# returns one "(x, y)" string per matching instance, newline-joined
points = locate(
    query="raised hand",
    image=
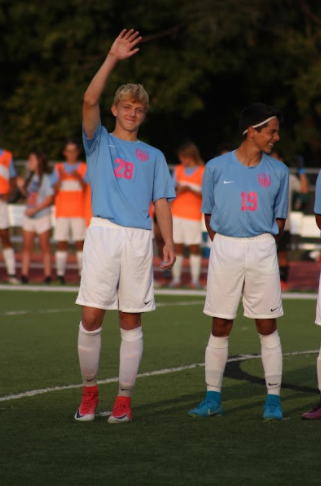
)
(124, 45)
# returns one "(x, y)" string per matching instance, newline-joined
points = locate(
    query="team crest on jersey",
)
(142, 155)
(264, 180)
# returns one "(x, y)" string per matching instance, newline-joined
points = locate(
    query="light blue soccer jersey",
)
(245, 201)
(37, 193)
(125, 177)
(317, 201)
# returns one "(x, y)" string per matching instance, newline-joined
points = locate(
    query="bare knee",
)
(5, 238)
(129, 321)
(62, 246)
(221, 327)
(265, 327)
(92, 318)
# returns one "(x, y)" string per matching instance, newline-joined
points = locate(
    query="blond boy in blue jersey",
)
(125, 176)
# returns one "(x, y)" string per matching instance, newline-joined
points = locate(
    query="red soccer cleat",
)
(121, 411)
(87, 409)
(314, 414)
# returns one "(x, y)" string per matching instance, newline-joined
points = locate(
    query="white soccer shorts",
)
(244, 268)
(117, 269)
(37, 225)
(4, 216)
(70, 228)
(187, 231)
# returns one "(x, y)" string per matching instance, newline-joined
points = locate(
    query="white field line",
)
(39, 311)
(177, 292)
(76, 308)
(165, 371)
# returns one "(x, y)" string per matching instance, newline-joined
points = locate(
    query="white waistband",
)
(105, 223)
(238, 238)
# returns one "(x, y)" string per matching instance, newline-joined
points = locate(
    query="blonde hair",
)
(191, 151)
(132, 92)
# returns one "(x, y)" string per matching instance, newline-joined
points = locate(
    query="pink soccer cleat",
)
(314, 414)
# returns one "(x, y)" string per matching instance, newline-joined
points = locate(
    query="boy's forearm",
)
(99, 81)
(164, 219)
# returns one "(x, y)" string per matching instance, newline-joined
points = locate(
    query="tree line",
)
(201, 63)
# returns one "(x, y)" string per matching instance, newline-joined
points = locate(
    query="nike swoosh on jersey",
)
(228, 182)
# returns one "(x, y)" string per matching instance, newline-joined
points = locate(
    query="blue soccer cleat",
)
(272, 408)
(207, 408)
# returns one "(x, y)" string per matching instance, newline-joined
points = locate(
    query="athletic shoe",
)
(47, 280)
(121, 411)
(61, 279)
(314, 414)
(86, 411)
(196, 286)
(174, 284)
(24, 279)
(12, 279)
(157, 284)
(207, 409)
(272, 408)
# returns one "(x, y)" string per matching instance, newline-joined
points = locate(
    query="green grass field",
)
(42, 444)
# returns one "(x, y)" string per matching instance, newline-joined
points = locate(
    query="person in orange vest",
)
(68, 181)
(7, 185)
(186, 210)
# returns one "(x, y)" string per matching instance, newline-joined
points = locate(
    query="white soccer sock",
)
(131, 351)
(61, 260)
(89, 344)
(177, 268)
(79, 261)
(271, 352)
(319, 370)
(216, 355)
(9, 260)
(195, 264)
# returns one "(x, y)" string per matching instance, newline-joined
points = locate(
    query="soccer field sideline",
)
(164, 371)
(174, 292)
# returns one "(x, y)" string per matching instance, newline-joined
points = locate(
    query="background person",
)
(299, 185)
(68, 181)
(37, 218)
(315, 413)
(125, 176)
(245, 202)
(7, 186)
(186, 211)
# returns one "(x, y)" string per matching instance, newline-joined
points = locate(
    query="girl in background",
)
(186, 211)
(37, 218)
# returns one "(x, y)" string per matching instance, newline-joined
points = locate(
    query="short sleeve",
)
(282, 197)
(163, 183)
(48, 190)
(12, 170)
(54, 177)
(91, 143)
(207, 190)
(317, 201)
